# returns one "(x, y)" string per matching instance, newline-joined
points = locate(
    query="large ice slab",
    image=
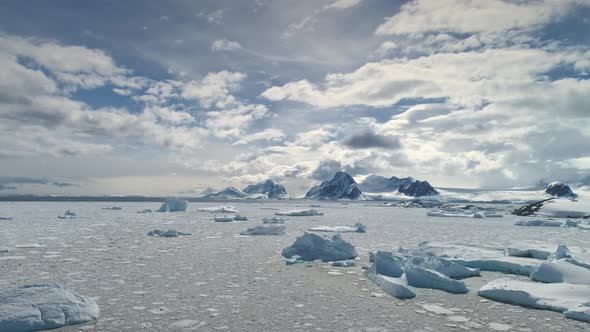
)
(425, 278)
(483, 258)
(357, 228)
(219, 209)
(265, 230)
(300, 213)
(44, 307)
(561, 270)
(464, 212)
(311, 247)
(570, 299)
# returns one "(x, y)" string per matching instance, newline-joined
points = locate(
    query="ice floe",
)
(44, 307)
(570, 299)
(167, 233)
(311, 247)
(565, 223)
(229, 218)
(113, 208)
(173, 205)
(357, 228)
(274, 220)
(219, 209)
(265, 230)
(300, 213)
(468, 211)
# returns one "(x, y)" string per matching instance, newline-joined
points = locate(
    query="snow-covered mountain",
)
(341, 186)
(407, 186)
(272, 189)
(228, 193)
(559, 189)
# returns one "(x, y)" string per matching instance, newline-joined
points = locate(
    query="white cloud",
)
(214, 89)
(473, 16)
(225, 45)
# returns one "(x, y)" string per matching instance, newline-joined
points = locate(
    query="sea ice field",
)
(216, 279)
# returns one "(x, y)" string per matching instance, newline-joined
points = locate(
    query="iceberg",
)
(311, 247)
(570, 299)
(173, 205)
(357, 228)
(230, 218)
(300, 213)
(44, 307)
(265, 230)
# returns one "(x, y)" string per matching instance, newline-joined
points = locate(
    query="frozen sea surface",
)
(216, 279)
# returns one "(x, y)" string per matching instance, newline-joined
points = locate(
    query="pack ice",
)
(44, 307)
(173, 205)
(167, 233)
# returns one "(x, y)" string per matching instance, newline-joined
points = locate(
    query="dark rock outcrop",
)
(228, 193)
(272, 189)
(407, 186)
(341, 186)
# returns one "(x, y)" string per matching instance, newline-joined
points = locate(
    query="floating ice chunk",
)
(424, 278)
(300, 213)
(239, 217)
(561, 271)
(441, 265)
(145, 211)
(357, 228)
(44, 307)
(311, 247)
(396, 287)
(343, 264)
(167, 233)
(5, 218)
(294, 260)
(113, 208)
(173, 205)
(68, 215)
(385, 263)
(436, 309)
(219, 209)
(265, 230)
(570, 299)
(539, 223)
(224, 218)
(274, 220)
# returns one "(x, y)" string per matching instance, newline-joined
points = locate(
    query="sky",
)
(170, 98)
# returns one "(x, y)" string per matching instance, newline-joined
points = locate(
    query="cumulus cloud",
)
(225, 45)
